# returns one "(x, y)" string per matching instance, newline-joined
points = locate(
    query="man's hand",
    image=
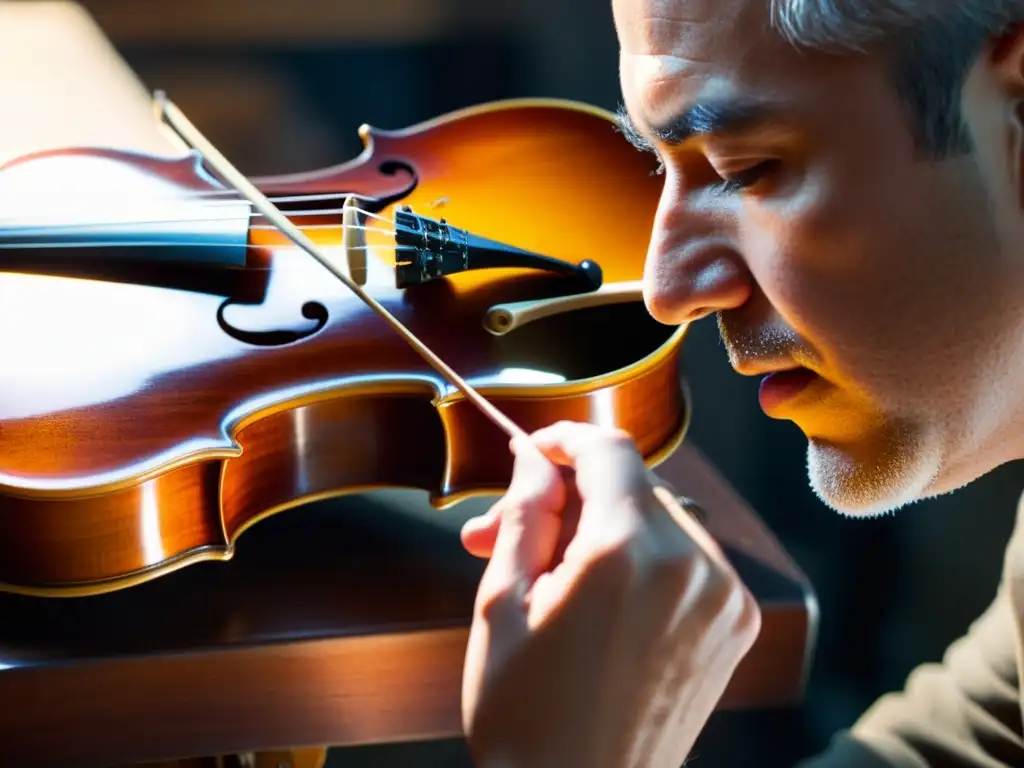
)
(607, 624)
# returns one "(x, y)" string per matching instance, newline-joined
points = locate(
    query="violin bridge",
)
(353, 241)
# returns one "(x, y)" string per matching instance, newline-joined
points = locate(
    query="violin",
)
(184, 355)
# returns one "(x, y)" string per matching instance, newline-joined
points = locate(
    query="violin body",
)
(151, 409)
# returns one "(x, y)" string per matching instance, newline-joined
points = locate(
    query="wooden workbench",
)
(344, 622)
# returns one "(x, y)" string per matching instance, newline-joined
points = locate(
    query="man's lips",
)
(782, 386)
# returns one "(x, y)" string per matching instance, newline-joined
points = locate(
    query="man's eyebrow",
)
(702, 119)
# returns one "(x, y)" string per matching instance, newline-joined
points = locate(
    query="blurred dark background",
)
(283, 85)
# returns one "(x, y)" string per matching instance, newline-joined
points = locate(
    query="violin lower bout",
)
(337, 445)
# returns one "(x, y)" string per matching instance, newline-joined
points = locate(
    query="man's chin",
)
(870, 478)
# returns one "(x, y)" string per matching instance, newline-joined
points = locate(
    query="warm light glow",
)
(300, 423)
(82, 198)
(602, 408)
(87, 342)
(74, 343)
(152, 540)
(525, 376)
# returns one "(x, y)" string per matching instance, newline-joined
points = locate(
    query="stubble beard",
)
(892, 464)
(878, 476)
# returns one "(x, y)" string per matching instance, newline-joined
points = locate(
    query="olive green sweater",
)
(966, 711)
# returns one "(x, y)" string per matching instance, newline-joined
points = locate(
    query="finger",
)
(566, 442)
(528, 534)
(608, 466)
(563, 443)
(479, 533)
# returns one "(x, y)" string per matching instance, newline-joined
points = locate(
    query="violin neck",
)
(120, 207)
(166, 230)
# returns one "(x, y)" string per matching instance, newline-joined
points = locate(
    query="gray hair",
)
(930, 46)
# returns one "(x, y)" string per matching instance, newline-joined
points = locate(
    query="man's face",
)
(797, 206)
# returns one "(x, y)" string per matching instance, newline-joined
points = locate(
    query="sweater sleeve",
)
(964, 712)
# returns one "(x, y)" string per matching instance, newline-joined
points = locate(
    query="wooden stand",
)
(341, 623)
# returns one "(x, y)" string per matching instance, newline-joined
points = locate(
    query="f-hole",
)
(311, 310)
(393, 168)
(314, 310)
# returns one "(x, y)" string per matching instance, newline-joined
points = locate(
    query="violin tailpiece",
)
(433, 248)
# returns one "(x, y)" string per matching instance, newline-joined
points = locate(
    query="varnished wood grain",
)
(339, 623)
(59, 541)
(141, 386)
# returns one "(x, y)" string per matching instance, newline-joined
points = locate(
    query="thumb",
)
(529, 523)
(479, 533)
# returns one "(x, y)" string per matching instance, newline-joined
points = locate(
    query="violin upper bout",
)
(378, 175)
(191, 172)
(96, 173)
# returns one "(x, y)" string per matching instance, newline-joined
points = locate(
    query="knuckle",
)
(529, 506)
(684, 567)
(636, 554)
(614, 559)
(688, 573)
(493, 603)
(680, 575)
(616, 556)
(681, 572)
(724, 591)
(679, 568)
(749, 620)
(529, 489)
(736, 609)
(596, 432)
(559, 429)
(618, 438)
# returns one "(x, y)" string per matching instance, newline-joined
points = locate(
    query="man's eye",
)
(743, 180)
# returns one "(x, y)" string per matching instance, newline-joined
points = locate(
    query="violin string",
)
(231, 197)
(196, 244)
(19, 223)
(231, 175)
(178, 200)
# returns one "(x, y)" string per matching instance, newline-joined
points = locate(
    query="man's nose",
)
(690, 274)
